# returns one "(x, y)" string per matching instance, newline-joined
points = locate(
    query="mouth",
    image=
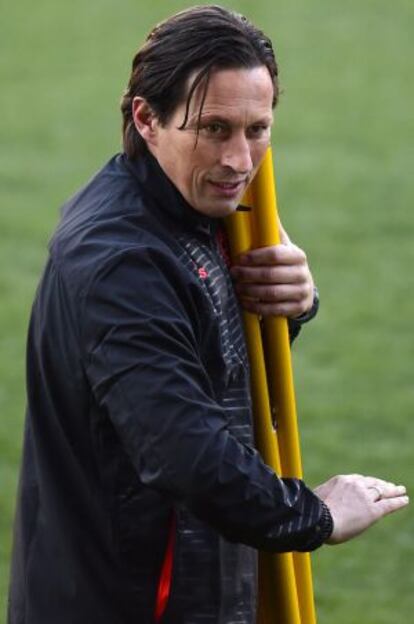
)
(228, 189)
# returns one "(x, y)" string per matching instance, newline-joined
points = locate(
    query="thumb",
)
(284, 238)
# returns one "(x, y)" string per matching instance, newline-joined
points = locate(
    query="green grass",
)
(343, 145)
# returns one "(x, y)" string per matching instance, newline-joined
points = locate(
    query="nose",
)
(236, 154)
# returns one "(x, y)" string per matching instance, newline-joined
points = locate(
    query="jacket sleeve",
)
(295, 324)
(144, 367)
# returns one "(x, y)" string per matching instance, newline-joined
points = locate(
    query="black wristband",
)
(322, 531)
(326, 523)
(312, 312)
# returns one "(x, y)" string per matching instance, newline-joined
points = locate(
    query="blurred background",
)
(343, 144)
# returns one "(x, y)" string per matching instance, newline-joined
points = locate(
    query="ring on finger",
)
(378, 490)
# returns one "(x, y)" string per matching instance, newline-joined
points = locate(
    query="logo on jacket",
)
(202, 273)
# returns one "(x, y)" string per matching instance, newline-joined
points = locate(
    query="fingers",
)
(389, 505)
(386, 497)
(266, 274)
(271, 293)
(380, 489)
(356, 502)
(288, 309)
(284, 254)
(274, 281)
(386, 491)
(370, 481)
(290, 300)
(393, 491)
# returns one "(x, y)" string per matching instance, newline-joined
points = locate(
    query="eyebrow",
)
(211, 117)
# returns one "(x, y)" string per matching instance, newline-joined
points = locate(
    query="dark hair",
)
(201, 39)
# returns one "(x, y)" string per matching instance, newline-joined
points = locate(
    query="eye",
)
(214, 129)
(258, 131)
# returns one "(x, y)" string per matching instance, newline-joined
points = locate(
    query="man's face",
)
(213, 169)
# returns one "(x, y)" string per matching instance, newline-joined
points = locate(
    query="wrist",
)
(313, 310)
(326, 523)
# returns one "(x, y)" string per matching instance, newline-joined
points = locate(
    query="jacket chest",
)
(222, 344)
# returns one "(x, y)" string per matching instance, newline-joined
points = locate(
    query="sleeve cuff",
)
(322, 530)
(312, 312)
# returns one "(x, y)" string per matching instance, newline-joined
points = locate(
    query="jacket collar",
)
(152, 178)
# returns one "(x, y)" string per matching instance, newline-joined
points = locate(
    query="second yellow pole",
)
(279, 371)
(278, 598)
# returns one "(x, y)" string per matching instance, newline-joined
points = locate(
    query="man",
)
(142, 498)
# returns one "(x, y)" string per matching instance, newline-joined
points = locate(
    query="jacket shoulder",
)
(110, 217)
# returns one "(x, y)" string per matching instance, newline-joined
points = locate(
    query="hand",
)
(357, 502)
(274, 280)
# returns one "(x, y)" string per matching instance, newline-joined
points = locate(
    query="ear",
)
(145, 120)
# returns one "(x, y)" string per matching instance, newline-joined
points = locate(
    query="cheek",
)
(258, 151)
(197, 169)
(189, 176)
(206, 155)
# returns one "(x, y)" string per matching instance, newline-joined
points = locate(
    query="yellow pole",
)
(279, 369)
(278, 599)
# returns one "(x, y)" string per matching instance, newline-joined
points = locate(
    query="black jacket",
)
(138, 428)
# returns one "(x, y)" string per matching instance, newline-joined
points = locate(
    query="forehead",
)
(235, 93)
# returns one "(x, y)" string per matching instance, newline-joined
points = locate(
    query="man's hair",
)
(197, 41)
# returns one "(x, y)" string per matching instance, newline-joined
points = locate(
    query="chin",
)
(217, 208)
(224, 210)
